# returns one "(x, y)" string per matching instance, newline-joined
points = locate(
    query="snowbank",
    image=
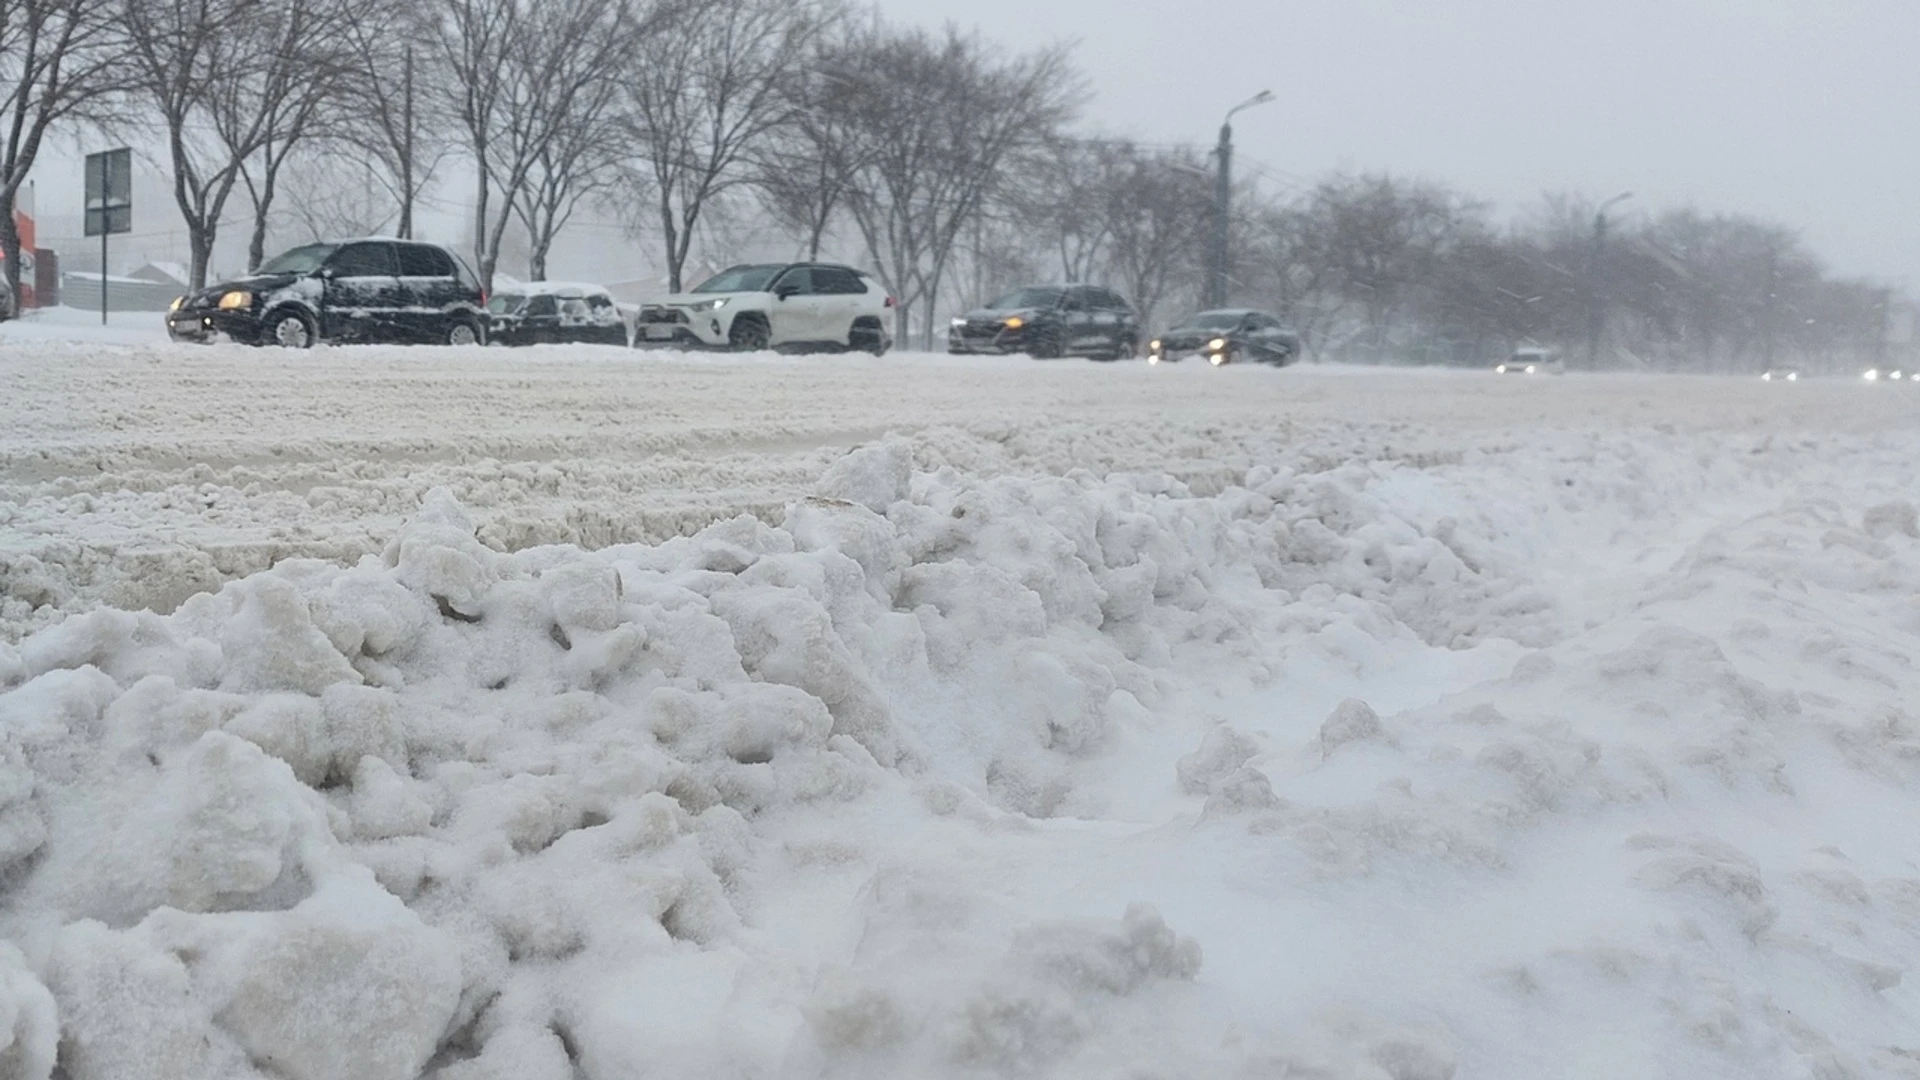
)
(1583, 752)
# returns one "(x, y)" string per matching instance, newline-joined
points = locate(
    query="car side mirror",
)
(786, 291)
(328, 273)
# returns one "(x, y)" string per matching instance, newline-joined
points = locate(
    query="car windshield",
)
(505, 303)
(301, 260)
(741, 279)
(1026, 298)
(1211, 320)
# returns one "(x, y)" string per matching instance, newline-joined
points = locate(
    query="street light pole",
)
(1217, 254)
(1596, 295)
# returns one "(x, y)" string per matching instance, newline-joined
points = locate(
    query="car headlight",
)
(1501, 370)
(239, 298)
(1872, 375)
(1529, 369)
(720, 303)
(958, 321)
(177, 301)
(1154, 345)
(1217, 344)
(1014, 322)
(1793, 376)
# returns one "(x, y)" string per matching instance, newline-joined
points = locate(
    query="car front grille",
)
(660, 315)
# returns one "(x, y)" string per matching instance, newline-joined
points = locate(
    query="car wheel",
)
(1046, 344)
(289, 329)
(749, 333)
(867, 337)
(463, 332)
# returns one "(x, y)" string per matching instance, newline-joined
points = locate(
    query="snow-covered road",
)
(578, 713)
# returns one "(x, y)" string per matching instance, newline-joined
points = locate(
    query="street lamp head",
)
(1260, 98)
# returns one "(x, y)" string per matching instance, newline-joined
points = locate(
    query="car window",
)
(1209, 320)
(1076, 300)
(363, 260)
(597, 302)
(468, 279)
(800, 279)
(837, 280)
(1112, 301)
(541, 305)
(1040, 297)
(422, 260)
(505, 303)
(740, 279)
(301, 260)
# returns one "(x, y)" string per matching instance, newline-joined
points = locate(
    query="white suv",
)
(788, 306)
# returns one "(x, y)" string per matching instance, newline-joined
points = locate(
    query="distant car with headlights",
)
(792, 307)
(1531, 360)
(1050, 321)
(1780, 375)
(1890, 375)
(369, 290)
(552, 313)
(1227, 336)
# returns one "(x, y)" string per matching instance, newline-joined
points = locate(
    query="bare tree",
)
(1156, 211)
(473, 44)
(530, 86)
(703, 95)
(228, 82)
(387, 114)
(302, 93)
(330, 195)
(56, 58)
(807, 167)
(573, 153)
(942, 113)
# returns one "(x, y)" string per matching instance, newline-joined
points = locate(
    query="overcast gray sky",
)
(1805, 111)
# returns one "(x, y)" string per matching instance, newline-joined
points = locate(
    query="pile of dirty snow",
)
(1594, 757)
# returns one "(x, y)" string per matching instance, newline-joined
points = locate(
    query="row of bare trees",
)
(810, 114)
(948, 160)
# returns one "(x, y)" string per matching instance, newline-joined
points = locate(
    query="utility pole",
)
(1596, 294)
(406, 149)
(1217, 250)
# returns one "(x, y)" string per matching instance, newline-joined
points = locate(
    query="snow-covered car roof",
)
(563, 289)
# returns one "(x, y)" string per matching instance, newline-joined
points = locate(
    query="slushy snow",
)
(984, 748)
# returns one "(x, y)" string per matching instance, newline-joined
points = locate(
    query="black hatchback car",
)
(1047, 321)
(371, 290)
(1228, 336)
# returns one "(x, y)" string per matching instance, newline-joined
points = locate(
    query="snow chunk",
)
(271, 643)
(29, 1027)
(1221, 754)
(1351, 721)
(1100, 956)
(875, 476)
(348, 985)
(1889, 519)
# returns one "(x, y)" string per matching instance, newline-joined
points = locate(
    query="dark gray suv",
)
(371, 290)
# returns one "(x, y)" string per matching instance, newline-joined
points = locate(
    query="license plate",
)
(659, 333)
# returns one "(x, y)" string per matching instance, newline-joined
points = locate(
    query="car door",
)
(540, 319)
(1077, 320)
(1116, 320)
(795, 313)
(427, 290)
(360, 293)
(842, 300)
